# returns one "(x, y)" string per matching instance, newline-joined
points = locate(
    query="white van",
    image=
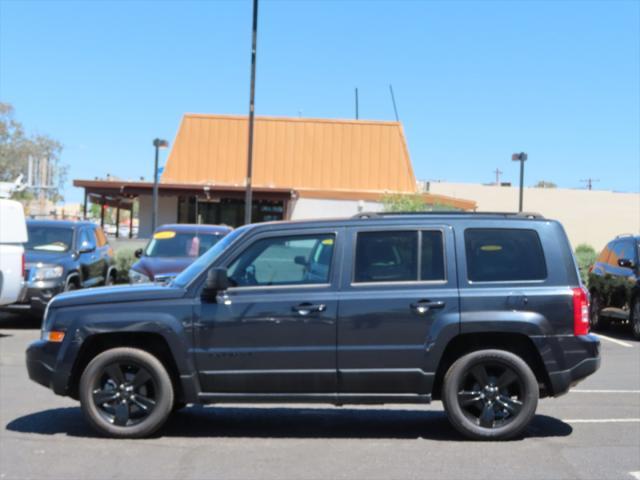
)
(13, 234)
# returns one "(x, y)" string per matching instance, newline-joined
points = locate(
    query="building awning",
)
(131, 189)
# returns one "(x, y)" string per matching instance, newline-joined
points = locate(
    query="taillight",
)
(580, 311)
(23, 266)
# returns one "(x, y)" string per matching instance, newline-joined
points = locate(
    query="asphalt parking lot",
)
(591, 433)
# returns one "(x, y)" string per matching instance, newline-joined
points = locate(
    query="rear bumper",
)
(569, 360)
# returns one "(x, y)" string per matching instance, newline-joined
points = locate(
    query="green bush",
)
(124, 257)
(412, 202)
(586, 257)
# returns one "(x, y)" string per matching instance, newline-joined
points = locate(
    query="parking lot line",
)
(635, 475)
(601, 420)
(606, 391)
(615, 340)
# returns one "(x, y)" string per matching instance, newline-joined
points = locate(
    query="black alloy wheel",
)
(596, 322)
(490, 395)
(634, 317)
(126, 393)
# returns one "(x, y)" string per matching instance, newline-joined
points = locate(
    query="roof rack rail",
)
(365, 215)
(623, 235)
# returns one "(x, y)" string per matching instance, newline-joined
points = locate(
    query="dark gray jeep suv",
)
(483, 311)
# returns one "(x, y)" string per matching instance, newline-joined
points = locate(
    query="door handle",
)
(423, 306)
(305, 309)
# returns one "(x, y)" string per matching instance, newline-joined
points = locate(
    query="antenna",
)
(498, 172)
(590, 181)
(393, 100)
(357, 113)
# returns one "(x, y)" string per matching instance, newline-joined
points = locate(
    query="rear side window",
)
(497, 255)
(399, 256)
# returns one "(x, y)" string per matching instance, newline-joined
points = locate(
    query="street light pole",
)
(520, 157)
(248, 200)
(158, 143)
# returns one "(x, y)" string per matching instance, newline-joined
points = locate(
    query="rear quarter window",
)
(502, 255)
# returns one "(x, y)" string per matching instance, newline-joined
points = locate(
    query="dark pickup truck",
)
(483, 311)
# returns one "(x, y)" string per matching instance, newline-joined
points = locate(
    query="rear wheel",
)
(596, 321)
(490, 395)
(126, 393)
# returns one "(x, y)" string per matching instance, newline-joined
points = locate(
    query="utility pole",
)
(520, 157)
(590, 181)
(158, 143)
(248, 200)
(357, 113)
(498, 172)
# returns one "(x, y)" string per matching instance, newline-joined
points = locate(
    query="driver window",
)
(292, 260)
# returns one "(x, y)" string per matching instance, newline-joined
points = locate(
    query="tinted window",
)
(495, 255)
(627, 250)
(432, 256)
(167, 243)
(604, 255)
(89, 234)
(291, 260)
(386, 257)
(50, 239)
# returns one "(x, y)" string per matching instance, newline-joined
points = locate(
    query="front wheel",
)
(634, 318)
(596, 321)
(126, 393)
(490, 395)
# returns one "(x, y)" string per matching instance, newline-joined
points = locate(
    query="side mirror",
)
(217, 281)
(300, 260)
(86, 247)
(138, 253)
(626, 263)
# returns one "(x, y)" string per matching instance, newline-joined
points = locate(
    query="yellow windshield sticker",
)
(327, 241)
(491, 248)
(164, 235)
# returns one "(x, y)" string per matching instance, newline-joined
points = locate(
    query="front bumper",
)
(41, 361)
(36, 297)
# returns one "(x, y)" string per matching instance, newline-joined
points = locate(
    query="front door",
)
(274, 330)
(398, 296)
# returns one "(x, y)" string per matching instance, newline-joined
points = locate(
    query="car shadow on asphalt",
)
(19, 321)
(284, 422)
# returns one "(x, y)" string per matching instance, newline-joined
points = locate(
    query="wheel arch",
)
(516, 343)
(151, 342)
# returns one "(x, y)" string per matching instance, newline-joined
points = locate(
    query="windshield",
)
(49, 239)
(207, 259)
(169, 243)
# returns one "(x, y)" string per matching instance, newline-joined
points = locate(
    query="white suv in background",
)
(13, 234)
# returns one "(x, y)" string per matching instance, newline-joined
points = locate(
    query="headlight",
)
(137, 277)
(47, 273)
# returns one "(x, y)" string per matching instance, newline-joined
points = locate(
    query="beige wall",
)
(592, 217)
(167, 213)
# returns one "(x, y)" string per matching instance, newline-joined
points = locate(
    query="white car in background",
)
(13, 234)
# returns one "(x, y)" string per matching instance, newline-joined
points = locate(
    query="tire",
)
(109, 280)
(472, 395)
(596, 321)
(634, 318)
(127, 410)
(70, 285)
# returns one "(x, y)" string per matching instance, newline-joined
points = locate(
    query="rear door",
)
(398, 296)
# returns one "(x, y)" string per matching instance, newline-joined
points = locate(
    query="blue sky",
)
(474, 80)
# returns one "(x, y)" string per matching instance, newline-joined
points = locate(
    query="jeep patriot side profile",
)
(483, 311)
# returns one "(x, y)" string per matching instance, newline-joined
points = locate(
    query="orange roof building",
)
(302, 168)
